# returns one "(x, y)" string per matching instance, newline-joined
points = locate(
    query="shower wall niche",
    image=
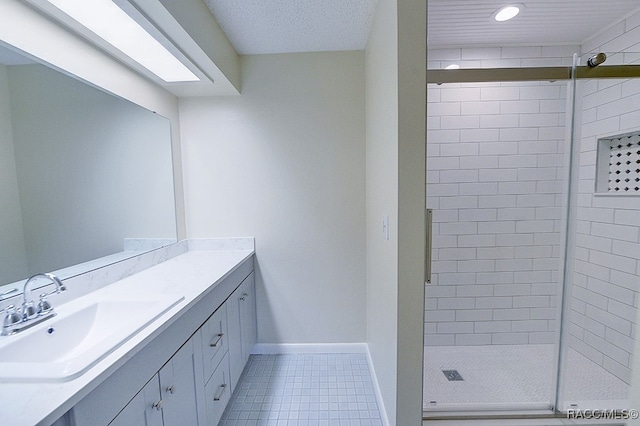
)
(618, 164)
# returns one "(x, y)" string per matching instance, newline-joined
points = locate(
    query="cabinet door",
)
(145, 409)
(236, 363)
(248, 323)
(178, 388)
(241, 326)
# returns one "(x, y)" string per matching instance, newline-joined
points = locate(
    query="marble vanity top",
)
(192, 269)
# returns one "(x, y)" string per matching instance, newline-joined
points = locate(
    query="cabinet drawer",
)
(214, 341)
(217, 392)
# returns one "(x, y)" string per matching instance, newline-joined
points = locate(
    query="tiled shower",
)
(497, 181)
(495, 184)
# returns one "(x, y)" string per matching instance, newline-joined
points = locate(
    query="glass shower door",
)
(602, 279)
(535, 192)
(495, 169)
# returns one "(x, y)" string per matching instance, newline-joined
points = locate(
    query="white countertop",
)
(192, 274)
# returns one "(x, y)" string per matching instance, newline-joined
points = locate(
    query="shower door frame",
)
(501, 75)
(570, 74)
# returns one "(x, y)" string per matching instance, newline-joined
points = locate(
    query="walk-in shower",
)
(535, 254)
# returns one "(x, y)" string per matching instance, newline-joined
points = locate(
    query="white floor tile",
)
(518, 375)
(304, 390)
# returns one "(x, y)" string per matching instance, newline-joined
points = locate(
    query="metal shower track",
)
(481, 75)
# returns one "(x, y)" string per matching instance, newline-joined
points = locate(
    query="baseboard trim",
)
(376, 388)
(309, 348)
(327, 348)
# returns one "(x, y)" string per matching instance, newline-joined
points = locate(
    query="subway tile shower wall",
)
(505, 237)
(495, 169)
(604, 300)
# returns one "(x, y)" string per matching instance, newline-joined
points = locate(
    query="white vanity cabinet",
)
(189, 364)
(169, 398)
(242, 326)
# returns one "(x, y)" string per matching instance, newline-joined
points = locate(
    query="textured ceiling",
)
(283, 26)
(469, 22)
(279, 26)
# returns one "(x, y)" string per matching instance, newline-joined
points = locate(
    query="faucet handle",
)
(12, 316)
(44, 307)
(29, 310)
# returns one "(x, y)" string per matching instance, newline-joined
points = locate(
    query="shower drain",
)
(452, 375)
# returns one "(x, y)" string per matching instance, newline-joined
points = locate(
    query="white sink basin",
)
(82, 333)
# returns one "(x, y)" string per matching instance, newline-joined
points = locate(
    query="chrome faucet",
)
(28, 315)
(28, 309)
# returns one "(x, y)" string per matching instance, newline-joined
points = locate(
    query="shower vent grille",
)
(624, 164)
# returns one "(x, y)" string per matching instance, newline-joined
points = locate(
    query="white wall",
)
(395, 75)
(382, 199)
(285, 163)
(12, 249)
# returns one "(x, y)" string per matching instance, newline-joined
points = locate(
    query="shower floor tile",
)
(304, 390)
(505, 375)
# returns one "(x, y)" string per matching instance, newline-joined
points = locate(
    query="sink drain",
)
(452, 375)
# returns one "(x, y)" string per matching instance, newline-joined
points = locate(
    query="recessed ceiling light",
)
(108, 21)
(507, 12)
(452, 67)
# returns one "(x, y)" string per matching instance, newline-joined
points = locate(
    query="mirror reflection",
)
(83, 174)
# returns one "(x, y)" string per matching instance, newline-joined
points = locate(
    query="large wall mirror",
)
(84, 175)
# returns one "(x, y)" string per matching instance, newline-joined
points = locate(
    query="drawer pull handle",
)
(220, 392)
(157, 405)
(171, 389)
(215, 343)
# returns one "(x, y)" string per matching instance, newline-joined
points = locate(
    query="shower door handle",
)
(429, 245)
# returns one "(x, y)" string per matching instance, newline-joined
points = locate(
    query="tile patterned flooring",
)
(513, 374)
(304, 390)
(337, 389)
